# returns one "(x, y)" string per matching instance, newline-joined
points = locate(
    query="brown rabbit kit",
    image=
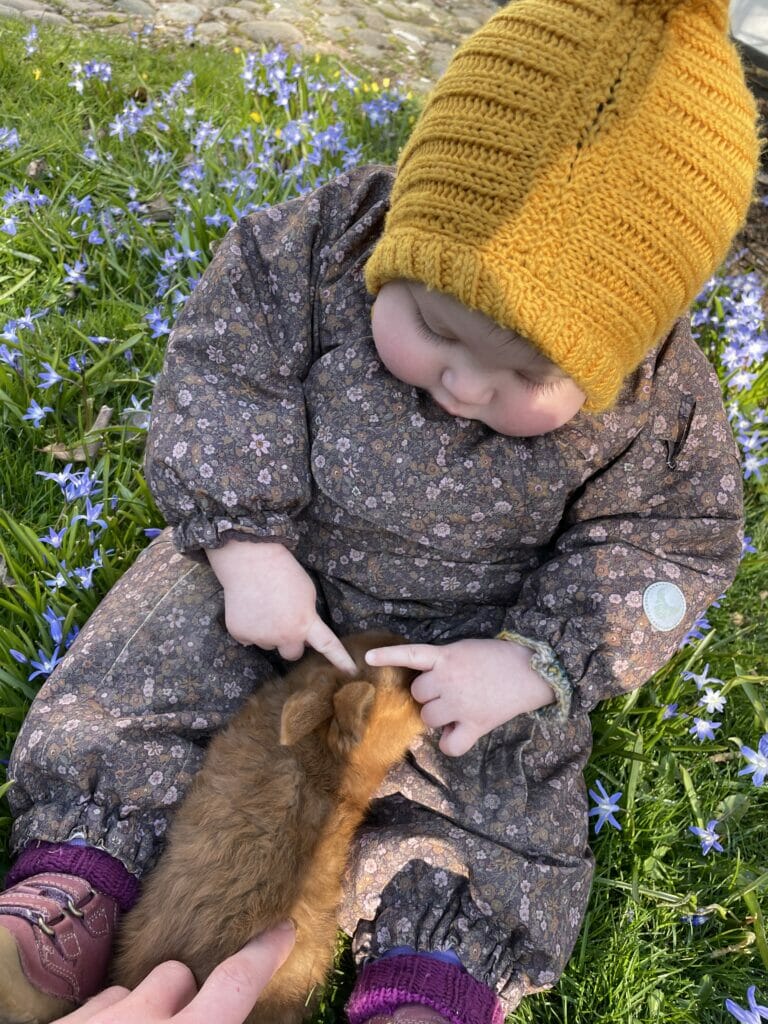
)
(264, 832)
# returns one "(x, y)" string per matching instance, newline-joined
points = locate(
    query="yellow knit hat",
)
(577, 174)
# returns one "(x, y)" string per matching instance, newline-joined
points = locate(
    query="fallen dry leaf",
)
(86, 451)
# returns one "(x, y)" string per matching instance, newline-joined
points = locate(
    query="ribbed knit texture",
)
(395, 981)
(104, 873)
(577, 174)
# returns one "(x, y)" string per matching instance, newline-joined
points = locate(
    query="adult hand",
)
(269, 600)
(167, 995)
(468, 687)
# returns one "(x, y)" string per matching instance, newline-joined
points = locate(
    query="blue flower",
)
(36, 413)
(606, 806)
(30, 40)
(9, 138)
(754, 1015)
(62, 478)
(75, 273)
(670, 711)
(702, 679)
(54, 624)
(48, 377)
(752, 466)
(152, 532)
(84, 575)
(696, 919)
(92, 514)
(758, 762)
(696, 632)
(712, 700)
(54, 538)
(747, 547)
(708, 837)
(81, 485)
(45, 665)
(703, 730)
(158, 325)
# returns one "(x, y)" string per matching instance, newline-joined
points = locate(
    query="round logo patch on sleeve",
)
(664, 604)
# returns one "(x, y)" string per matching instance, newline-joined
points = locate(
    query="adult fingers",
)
(421, 657)
(89, 1012)
(325, 641)
(233, 987)
(164, 992)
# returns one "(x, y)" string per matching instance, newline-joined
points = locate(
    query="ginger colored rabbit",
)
(265, 830)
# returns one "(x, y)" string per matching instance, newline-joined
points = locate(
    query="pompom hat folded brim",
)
(577, 174)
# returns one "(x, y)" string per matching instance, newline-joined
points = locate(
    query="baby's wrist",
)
(235, 561)
(548, 672)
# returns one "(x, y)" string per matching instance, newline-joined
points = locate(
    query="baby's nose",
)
(466, 387)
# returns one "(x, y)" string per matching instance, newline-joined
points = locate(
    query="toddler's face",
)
(470, 365)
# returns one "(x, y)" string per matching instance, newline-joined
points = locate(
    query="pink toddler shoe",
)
(56, 936)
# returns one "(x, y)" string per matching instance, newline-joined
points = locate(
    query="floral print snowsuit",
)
(274, 419)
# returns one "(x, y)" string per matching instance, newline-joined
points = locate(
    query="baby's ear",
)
(352, 707)
(303, 712)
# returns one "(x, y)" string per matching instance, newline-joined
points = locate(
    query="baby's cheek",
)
(404, 362)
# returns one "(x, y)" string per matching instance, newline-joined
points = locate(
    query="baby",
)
(458, 400)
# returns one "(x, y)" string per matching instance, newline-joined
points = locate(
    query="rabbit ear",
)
(352, 707)
(303, 712)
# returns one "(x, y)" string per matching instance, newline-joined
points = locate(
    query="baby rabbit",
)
(265, 830)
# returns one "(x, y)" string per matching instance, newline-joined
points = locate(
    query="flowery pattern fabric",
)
(275, 420)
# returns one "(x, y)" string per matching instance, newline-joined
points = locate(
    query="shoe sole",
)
(20, 1002)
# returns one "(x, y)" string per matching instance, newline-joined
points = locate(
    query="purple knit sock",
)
(448, 989)
(105, 873)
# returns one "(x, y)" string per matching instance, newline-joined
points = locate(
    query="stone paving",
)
(408, 40)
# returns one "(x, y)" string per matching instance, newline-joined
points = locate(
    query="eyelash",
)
(533, 385)
(425, 332)
(438, 339)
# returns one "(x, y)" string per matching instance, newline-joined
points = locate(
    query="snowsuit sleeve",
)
(228, 448)
(666, 509)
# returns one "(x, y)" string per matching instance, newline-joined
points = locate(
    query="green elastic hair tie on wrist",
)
(544, 661)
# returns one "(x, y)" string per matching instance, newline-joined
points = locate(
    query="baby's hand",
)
(269, 600)
(468, 687)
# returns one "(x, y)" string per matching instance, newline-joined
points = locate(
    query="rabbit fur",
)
(265, 830)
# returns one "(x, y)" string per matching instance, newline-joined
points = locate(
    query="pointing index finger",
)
(233, 987)
(325, 641)
(421, 657)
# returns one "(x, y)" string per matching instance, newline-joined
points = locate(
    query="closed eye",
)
(541, 387)
(426, 332)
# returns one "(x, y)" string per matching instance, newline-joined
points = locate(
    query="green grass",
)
(636, 959)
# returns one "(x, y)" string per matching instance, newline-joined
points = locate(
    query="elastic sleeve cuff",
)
(204, 532)
(103, 872)
(448, 989)
(544, 661)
